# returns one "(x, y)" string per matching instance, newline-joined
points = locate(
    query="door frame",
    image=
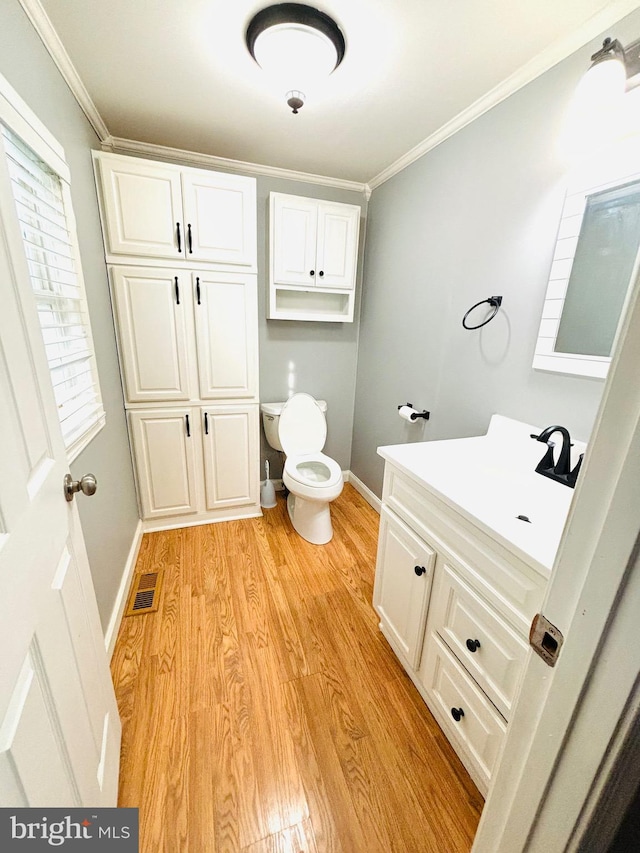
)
(566, 742)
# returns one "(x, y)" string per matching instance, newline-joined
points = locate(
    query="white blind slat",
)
(51, 260)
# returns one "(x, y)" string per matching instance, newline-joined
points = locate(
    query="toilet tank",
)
(271, 417)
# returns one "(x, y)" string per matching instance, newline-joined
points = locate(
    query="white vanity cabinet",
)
(314, 253)
(159, 210)
(187, 334)
(464, 641)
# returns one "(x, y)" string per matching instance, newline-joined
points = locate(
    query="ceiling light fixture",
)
(296, 45)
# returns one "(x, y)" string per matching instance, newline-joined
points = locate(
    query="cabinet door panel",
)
(337, 249)
(400, 595)
(230, 436)
(142, 207)
(165, 458)
(226, 335)
(294, 232)
(152, 331)
(220, 217)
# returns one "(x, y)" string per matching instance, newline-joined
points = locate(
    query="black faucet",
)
(560, 470)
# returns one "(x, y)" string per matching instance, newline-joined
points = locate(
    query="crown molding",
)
(178, 155)
(549, 57)
(43, 26)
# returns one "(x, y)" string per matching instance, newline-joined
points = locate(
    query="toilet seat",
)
(315, 470)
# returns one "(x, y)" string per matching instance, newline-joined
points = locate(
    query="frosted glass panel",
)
(602, 267)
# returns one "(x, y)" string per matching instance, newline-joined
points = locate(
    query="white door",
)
(230, 438)
(142, 207)
(220, 217)
(166, 461)
(153, 308)
(226, 313)
(294, 227)
(337, 249)
(404, 572)
(59, 724)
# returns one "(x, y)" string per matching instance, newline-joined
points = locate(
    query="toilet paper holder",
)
(415, 415)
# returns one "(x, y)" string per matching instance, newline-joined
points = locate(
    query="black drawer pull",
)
(419, 570)
(178, 234)
(473, 645)
(189, 241)
(206, 424)
(321, 273)
(177, 290)
(312, 272)
(198, 289)
(457, 714)
(186, 417)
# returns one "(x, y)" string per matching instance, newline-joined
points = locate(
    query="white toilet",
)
(298, 427)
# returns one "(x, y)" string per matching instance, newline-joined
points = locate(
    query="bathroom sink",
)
(491, 480)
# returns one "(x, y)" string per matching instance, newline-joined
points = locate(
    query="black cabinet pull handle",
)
(419, 570)
(189, 242)
(312, 272)
(178, 233)
(321, 273)
(177, 290)
(457, 714)
(206, 424)
(473, 645)
(186, 417)
(198, 289)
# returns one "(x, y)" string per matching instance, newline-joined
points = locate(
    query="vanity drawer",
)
(513, 587)
(462, 619)
(479, 732)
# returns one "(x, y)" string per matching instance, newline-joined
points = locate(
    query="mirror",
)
(598, 240)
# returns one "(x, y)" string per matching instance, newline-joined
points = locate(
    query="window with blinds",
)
(56, 280)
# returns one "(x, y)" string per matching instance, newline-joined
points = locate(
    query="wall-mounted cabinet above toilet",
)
(314, 258)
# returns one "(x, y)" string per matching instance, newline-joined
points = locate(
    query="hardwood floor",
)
(263, 711)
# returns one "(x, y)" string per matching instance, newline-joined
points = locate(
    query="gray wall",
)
(476, 216)
(109, 518)
(323, 355)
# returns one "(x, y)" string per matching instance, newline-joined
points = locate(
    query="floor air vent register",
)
(145, 593)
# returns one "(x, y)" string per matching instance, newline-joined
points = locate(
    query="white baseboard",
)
(111, 633)
(365, 491)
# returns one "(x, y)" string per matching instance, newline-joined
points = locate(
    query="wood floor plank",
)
(349, 831)
(263, 710)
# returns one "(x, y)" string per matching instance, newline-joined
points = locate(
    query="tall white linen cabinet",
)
(180, 245)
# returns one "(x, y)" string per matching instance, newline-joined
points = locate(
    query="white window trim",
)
(20, 118)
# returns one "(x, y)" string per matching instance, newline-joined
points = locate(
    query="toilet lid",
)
(302, 427)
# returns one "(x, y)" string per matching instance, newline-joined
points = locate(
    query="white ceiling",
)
(178, 73)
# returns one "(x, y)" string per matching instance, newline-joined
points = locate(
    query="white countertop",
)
(490, 480)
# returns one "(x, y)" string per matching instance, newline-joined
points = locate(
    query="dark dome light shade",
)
(298, 42)
(295, 13)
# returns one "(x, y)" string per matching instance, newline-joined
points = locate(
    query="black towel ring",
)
(496, 301)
